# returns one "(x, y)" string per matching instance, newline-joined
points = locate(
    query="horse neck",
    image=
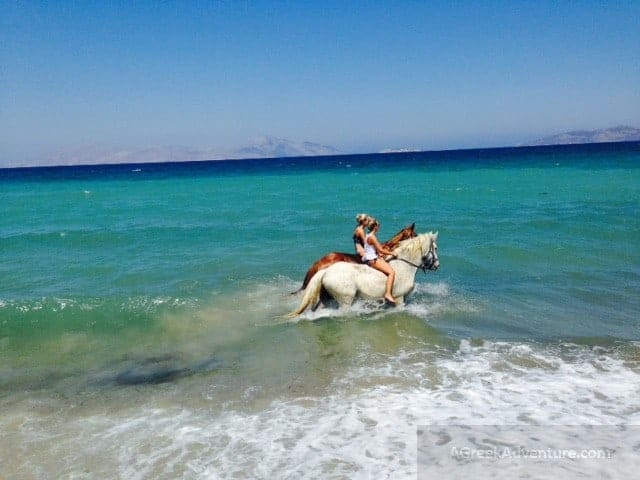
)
(395, 240)
(414, 254)
(405, 272)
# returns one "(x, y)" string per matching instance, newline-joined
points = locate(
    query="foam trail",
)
(365, 426)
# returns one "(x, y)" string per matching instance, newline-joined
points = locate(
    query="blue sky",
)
(360, 76)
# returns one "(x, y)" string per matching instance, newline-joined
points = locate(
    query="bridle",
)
(424, 265)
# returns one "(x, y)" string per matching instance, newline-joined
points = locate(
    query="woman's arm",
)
(359, 233)
(379, 248)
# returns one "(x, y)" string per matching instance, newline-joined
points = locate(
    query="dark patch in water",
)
(157, 370)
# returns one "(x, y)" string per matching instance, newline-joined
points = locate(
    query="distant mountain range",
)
(614, 134)
(273, 147)
(262, 147)
(270, 147)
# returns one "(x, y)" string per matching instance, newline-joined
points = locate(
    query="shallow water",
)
(141, 327)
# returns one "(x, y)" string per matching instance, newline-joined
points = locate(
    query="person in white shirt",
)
(372, 257)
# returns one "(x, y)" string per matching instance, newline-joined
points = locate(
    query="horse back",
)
(326, 261)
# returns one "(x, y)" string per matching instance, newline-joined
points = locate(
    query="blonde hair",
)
(372, 223)
(363, 217)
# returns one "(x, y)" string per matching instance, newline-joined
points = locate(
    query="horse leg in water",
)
(325, 298)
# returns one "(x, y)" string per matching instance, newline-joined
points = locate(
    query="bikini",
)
(370, 253)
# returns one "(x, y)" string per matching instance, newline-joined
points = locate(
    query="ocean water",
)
(141, 311)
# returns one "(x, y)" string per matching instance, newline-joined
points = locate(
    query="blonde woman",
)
(372, 251)
(359, 234)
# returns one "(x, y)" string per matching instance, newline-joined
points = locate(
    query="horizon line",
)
(300, 157)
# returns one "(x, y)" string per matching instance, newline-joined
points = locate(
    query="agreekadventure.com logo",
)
(520, 452)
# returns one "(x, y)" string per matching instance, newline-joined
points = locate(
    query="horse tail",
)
(307, 278)
(311, 293)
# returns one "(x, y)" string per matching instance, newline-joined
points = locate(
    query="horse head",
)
(430, 260)
(420, 251)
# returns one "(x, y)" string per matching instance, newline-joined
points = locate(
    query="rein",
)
(422, 266)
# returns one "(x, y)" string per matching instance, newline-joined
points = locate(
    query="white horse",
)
(346, 281)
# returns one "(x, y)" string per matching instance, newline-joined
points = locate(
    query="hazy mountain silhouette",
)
(262, 147)
(614, 134)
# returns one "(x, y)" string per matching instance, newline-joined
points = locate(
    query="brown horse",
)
(334, 257)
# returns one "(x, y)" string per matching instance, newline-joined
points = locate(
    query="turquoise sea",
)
(141, 329)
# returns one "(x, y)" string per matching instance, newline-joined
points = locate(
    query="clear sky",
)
(360, 76)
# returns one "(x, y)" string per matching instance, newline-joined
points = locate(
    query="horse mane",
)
(406, 232)
(412, 245)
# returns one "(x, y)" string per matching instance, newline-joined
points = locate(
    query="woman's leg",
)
(384, 267)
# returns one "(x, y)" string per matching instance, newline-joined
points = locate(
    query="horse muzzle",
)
(430, 261)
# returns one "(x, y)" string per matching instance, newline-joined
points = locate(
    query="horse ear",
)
(435, 235)
(413, 226)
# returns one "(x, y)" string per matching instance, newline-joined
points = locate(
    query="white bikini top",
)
(370, 252)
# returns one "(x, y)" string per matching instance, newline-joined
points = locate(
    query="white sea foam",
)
(439, 289)
(365, 427)
(55, 304)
